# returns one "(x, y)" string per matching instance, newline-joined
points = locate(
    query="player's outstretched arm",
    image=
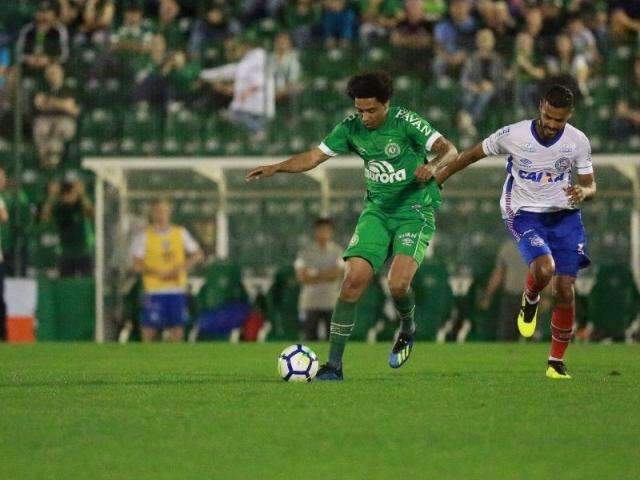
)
(296, 164)
(462, 161)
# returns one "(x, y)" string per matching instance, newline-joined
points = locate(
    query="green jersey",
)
(391, 154)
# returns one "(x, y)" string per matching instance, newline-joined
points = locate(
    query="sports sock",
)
(561, 331)
(406, 308)
(532, 288)
(342, 321)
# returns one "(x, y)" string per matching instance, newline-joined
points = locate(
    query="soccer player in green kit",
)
(398, 218)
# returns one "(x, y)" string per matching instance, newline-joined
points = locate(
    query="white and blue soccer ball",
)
(297, 363)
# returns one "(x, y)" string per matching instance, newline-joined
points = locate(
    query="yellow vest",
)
(164, 252)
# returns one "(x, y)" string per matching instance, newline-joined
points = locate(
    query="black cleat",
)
(527, 317)
(329, 372)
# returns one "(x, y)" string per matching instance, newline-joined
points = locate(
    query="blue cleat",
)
(329, 372)
(401, 350)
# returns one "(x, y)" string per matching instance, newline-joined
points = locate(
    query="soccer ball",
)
(297, 363)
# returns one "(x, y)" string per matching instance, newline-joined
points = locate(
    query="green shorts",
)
(380, 234)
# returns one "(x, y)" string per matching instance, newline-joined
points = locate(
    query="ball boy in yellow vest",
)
(163, 254)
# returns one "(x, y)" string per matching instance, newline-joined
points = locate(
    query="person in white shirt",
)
(253, 101)
(539, 204)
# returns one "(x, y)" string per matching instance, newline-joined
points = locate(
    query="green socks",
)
(406, 308)
(344, 316)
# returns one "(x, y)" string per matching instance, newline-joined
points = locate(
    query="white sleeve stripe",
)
(326, 150)
(432, 139)
(585, 169)
(485, 147)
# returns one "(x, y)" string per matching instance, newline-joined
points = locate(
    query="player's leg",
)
(175, 334)
(568, 245)
(367, 252)
(529, 231)
(358, 275)
(562, 319)
(175, 314)
(401, 273)
(150, 318)
(148, 334)
(415, 230)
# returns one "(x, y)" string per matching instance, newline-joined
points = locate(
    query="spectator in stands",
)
(44, 41)
(566, 62)
(253, 101)
(412, 37)
(504, 28)
(300, 17)
(212, 29)
(434, 10)
(319, 268)
(507, 274)
(533, 27)
(626, 121)
(454, 39)
(379, 18)
(72, 213)
(4, 219)
(482, 81)
(6, 83)
(169, 26)
(526, 73)
(163, 254)
(56, 113)
(553, 21)
(87, 17)
(583, 40)
(286, 67)
(625, 20)
(338, 23)
(130, 46)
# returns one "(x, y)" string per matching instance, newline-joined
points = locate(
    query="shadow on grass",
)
(210, 380)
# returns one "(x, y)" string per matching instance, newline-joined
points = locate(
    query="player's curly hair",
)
(559, 96)
(376, 84)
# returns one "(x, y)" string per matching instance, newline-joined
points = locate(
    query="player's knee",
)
(399, 287)
(352, 288)
(544, 269)
(564, 295)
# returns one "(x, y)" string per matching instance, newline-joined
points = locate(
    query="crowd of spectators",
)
(244, 60)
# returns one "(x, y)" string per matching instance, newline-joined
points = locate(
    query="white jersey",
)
(538, 171)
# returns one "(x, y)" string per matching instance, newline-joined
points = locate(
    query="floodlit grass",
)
(219, 411)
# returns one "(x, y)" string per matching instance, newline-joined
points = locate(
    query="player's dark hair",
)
(323, 221)
(376, 84)
(559, 96)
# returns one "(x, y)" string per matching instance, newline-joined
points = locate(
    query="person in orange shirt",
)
(163, 254)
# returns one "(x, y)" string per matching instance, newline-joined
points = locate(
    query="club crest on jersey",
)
(354, 240)
(380, 171)
(563, 164)
(536, 241)
(526, 162)
(392, 150)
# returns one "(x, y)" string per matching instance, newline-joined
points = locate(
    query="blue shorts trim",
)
(164, 310)
(559, 234)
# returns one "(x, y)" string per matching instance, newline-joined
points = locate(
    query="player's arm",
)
(585, 189)
(460, 162)
(445, 151)
(296, 164)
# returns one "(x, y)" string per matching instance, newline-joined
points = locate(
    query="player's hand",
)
(424, 173)
(261, 172)
(575, 193)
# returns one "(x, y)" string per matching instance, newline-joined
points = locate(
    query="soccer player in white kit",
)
(539, 203)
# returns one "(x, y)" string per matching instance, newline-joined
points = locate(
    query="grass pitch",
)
(219, 411)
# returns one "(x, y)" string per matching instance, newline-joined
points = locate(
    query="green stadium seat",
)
(182, 135)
